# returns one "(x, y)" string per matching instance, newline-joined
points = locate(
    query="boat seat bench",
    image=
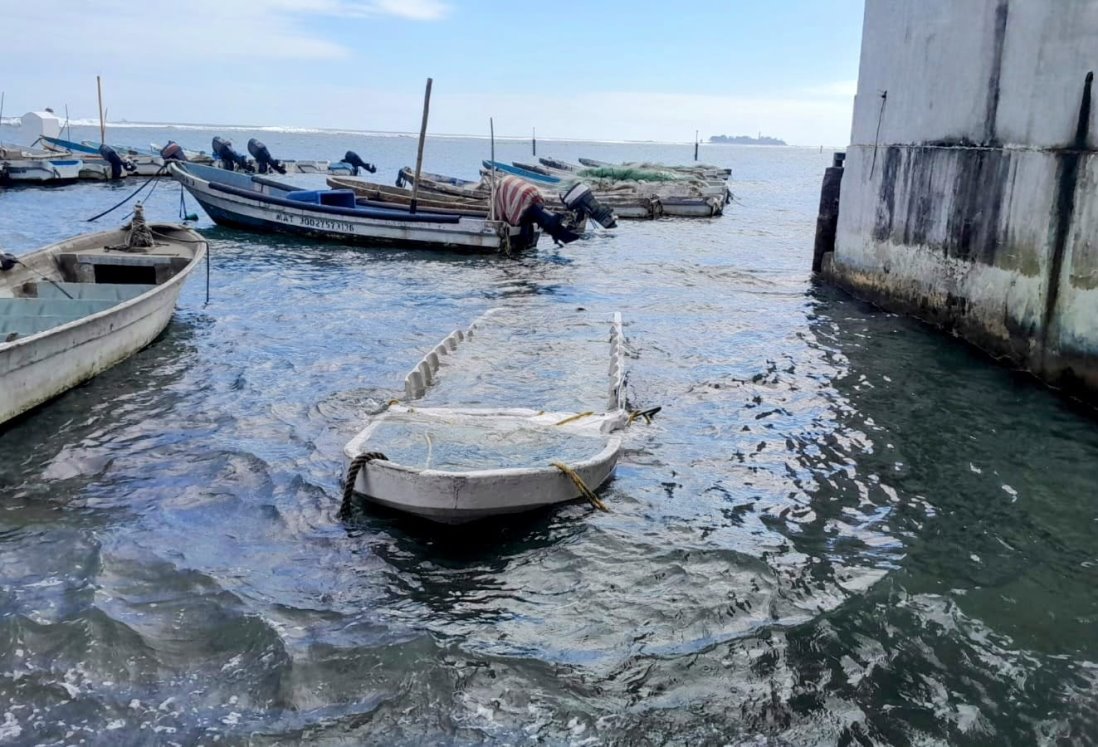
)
(28, 316)
(116, 292)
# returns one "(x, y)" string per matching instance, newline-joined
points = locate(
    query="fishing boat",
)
(258, 203)
(531, 176)
(510, 415)
(559, 165)
(372, 194)
(21, 166)
(142, 165)
(624, 203)
(78, 307)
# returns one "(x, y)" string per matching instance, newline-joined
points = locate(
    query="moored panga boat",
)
(78, 307)
(511, 414)
(262, 204)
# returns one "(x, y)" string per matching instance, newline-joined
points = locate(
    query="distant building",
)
(970, 192)
(37, 124)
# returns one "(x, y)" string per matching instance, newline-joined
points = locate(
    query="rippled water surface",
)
(842, 528)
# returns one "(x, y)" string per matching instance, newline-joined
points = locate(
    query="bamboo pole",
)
(102, 125)
(492, 172)
(422, 138)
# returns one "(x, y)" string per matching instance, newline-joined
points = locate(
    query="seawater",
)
(843, 528)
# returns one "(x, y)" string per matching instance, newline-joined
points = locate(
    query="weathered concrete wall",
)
(970, 194)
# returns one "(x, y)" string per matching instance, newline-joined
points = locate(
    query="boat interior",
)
(51, 288)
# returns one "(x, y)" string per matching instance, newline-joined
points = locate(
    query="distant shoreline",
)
(14, 122)
(745, 140)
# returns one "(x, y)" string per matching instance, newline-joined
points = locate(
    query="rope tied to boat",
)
(585, 491)
(573, 418)
(141, 236)
(355, 467)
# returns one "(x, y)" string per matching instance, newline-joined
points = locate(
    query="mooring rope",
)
(585, 491)
(133, 194)
(356, 466)
(573, 418)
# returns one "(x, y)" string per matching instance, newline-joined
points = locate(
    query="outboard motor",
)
(559, 227)
(520, 203)
(580, 200)
(263, 158)
(173, 151)
(117, 162)
(357, 163)
(7, 261)
(230, 159)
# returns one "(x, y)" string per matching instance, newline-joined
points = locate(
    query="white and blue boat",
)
(257, 203)
(21, 166)
(143, 165)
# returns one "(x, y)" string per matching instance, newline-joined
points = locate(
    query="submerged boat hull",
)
(482, 462)
(460, 497)
(38, 367)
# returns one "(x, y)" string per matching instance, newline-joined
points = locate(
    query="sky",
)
(598, 69)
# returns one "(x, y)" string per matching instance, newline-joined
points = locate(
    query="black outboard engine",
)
(580, 200)
(263, 158)
(7, 261)
(117, 162)
(357, 163)
(173, 151)
(559, 227)
(230, 159)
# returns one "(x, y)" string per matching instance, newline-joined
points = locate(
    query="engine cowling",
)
(263, 158)
(173, 151)
(357, 163)
(230, 159)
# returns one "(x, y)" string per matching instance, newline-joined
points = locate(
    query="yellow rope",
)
(575, 417)
(585, 491)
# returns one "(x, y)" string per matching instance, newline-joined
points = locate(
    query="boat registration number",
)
(309, 221)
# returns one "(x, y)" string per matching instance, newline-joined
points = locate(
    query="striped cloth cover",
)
(514, 197)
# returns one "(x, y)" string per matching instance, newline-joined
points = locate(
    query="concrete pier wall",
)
(970, 193)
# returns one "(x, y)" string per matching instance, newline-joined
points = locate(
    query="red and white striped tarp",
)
(514, 197)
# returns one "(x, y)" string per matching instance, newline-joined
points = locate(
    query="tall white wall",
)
(965, 198)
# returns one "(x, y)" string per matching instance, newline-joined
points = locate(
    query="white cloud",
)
(842, 88)
(205, 30)
(416, 10)
(413, 10)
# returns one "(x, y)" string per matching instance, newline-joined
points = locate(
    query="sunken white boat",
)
(509, 415)
(78, 307)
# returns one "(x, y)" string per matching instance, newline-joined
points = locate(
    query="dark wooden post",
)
(828, 221)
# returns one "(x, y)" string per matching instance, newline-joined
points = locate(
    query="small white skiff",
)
(76, 308)
(459, 463)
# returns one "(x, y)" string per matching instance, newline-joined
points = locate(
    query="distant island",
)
(746, 140)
